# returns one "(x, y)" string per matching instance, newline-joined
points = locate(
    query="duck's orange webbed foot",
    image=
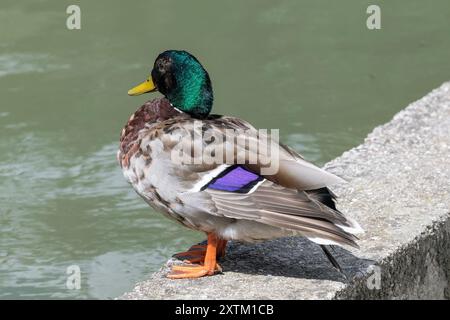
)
(193, 271)
(195, 254)
(208, 264)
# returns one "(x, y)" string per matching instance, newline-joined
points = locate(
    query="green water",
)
(311, 68)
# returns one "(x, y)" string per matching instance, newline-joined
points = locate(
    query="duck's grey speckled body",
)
(282, 204)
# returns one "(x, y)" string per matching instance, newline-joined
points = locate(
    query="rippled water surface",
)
(310, 68)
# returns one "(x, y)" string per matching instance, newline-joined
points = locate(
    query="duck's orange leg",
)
(221, 248)
(197, 253)
(208, 268)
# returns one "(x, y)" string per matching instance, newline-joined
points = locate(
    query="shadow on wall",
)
(292, 257)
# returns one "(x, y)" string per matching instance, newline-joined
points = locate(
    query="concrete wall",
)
(399, 191)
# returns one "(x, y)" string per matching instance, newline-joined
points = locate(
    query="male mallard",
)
(229, 199)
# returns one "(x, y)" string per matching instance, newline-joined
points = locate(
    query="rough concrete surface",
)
(399, 191)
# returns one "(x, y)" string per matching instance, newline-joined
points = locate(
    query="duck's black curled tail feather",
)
(325, 196)
(332, 260)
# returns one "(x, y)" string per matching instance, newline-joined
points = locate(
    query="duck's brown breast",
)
(151, 112)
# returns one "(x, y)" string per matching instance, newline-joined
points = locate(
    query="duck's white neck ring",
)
(176, 108)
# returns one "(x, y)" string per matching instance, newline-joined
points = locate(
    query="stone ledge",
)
(399, 191)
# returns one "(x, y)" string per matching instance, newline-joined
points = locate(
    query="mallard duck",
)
(231, 198)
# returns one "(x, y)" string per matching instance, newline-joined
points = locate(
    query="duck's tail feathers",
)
(332, 260)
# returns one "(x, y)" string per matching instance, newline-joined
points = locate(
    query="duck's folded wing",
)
(234, 141)
(237, 187)
(277, 206)
(261, 153)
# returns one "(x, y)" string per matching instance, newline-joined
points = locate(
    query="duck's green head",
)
(180, 77)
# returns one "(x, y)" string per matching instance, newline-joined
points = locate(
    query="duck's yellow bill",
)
(144, 87)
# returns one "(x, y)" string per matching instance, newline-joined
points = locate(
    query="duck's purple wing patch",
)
(235, 179)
